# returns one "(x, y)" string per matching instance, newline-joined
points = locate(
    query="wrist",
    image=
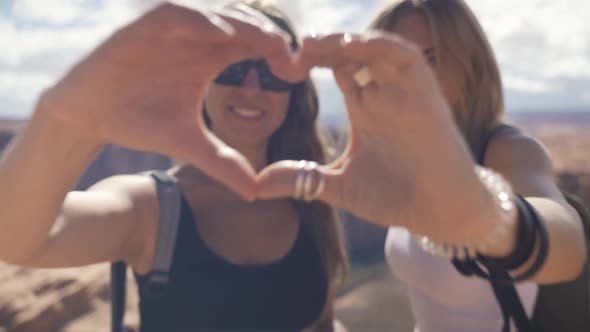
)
(504, 245)
(46, 125)
(490, 227)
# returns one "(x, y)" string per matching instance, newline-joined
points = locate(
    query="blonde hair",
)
(461, 41)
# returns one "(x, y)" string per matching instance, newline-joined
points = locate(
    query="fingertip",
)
(346, 39)
(223, 25)
(349, 39)
(250, 194)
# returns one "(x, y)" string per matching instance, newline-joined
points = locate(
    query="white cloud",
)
(525, 84)
(17, 90)
(22, 84)
(8, 37)
(539, 43)
(326, 16)
(542, 45)
(56, 12)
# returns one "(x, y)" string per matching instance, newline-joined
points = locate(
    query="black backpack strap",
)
(169, 201)
(170, 206)
(510, 305)
(118, 292)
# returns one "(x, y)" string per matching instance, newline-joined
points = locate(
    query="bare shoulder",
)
(517, 150)
(140, 192)
(137, 189)
(525, 163)
(132, 185)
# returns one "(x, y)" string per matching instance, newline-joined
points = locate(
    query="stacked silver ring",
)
(307, 176)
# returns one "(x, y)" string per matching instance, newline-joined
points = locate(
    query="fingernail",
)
(313, 34)
(269, 27)
(273, 29)
(346, 39)
(219, 22)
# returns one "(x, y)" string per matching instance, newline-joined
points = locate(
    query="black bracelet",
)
(543, 246)
(525, 241)
(529, 216)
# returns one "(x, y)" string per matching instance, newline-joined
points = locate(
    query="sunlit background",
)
(543, 46)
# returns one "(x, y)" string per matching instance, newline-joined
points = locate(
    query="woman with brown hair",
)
(425, 102)
(237, 264)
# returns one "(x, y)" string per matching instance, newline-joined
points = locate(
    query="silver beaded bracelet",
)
(503, 195)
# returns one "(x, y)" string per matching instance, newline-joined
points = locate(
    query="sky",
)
(542, 46)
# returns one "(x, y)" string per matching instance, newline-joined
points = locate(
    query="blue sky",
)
(542, 45)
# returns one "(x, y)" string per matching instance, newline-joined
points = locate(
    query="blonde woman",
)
(424, 97)
(237, 265)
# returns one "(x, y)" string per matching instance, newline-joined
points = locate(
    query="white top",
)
(442, 299)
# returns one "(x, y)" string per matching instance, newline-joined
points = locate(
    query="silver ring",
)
(319, 189)
(310, 170)
(363, 76)
(307, 176)
(298, 192)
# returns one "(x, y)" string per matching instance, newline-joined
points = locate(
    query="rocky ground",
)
(77, 300)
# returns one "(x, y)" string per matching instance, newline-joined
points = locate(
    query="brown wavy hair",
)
(460, 39)
(298, 138)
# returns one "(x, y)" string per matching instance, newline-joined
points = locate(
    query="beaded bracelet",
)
(503, 196)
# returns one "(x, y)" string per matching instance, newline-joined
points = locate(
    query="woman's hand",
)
(143, 87)
(406, 163)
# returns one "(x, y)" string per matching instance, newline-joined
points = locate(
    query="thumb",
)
(220, 162)
(288, 69)
(344, 76)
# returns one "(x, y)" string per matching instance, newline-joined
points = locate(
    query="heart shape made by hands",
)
(143, 89)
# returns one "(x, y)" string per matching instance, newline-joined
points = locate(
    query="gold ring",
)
(363, 77)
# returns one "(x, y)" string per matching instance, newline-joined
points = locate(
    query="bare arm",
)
(109, 222)
(36, 173)
(143, 103)
(51, 227)
(526, 165)
(410, 166)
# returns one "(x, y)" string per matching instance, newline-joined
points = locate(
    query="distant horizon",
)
(329, 116)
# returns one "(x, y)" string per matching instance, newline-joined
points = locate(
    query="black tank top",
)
(208, 293)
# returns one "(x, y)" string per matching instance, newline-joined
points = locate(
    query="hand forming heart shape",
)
(139, 90)
(404, 153)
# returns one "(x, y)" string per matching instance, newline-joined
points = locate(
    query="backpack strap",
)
(169, 200)
(118, 292)
(510, 305)
(170, 204)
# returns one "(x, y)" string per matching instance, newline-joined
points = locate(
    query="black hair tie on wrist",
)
(543, 250)
(531, 230)
(525, 241)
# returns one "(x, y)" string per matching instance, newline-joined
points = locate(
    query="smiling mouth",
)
(247, 114)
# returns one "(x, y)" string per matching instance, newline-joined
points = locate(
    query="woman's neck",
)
(256, 156)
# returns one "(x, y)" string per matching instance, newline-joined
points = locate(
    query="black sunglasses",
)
(234, 76)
